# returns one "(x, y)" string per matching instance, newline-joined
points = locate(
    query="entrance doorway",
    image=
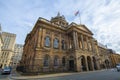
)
(83, 63)
(95, 64)
(89, 63)
(107, 63)
(71, 65)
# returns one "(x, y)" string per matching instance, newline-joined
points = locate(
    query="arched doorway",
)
(107, 63)
(83, 63)
(71, 63)
(89, 61)
(94, 63)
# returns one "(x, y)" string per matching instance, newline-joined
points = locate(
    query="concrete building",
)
(104, 56)
(56, 46)
(7, 48)
(18, 51)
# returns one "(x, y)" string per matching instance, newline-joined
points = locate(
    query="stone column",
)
(74, 39)
(82, 41)
(96, 48)
(87, 43)
(92, 45)
(68, 43)
(60, 42)
(86, 64)
(97, 64)
(77, 40)
(92, 63)
(52, 38)
(78, 65)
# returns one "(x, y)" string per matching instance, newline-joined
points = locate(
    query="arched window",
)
(63, 61)
(56, 43)
(47, 41)
(46, 60)
(56, 61)
(63, 44)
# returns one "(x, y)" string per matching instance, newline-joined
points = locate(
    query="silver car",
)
(118, 67)
(6, 70)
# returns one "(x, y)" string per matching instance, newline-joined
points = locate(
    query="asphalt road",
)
(93, 75)
(3, 77)
(99, 75)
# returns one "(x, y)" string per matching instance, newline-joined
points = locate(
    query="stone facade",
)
(1, 40)
(18, 51)
(7, 48)
(56, 46)
(1, 43)
(114, 57)
(105, 61)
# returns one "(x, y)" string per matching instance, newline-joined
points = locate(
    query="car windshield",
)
(6, 68)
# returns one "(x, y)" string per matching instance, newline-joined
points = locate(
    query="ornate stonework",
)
(56, 46)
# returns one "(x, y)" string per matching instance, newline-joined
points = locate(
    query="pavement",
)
(17, 76)
(38, 76)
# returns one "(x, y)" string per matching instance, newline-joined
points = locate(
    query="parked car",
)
(118, 67)
(6, 70)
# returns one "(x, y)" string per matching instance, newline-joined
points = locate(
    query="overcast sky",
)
(102, 17)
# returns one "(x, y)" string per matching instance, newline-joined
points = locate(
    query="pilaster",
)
(86, 64)
(92, 45)
(74, 39)
(92, 64)
(82, 41)
(77, 43)
(78, 65)
(98, 65)
(60, 41)
(39, 37)
(43, 37)
(87, 43)
(52, 39)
